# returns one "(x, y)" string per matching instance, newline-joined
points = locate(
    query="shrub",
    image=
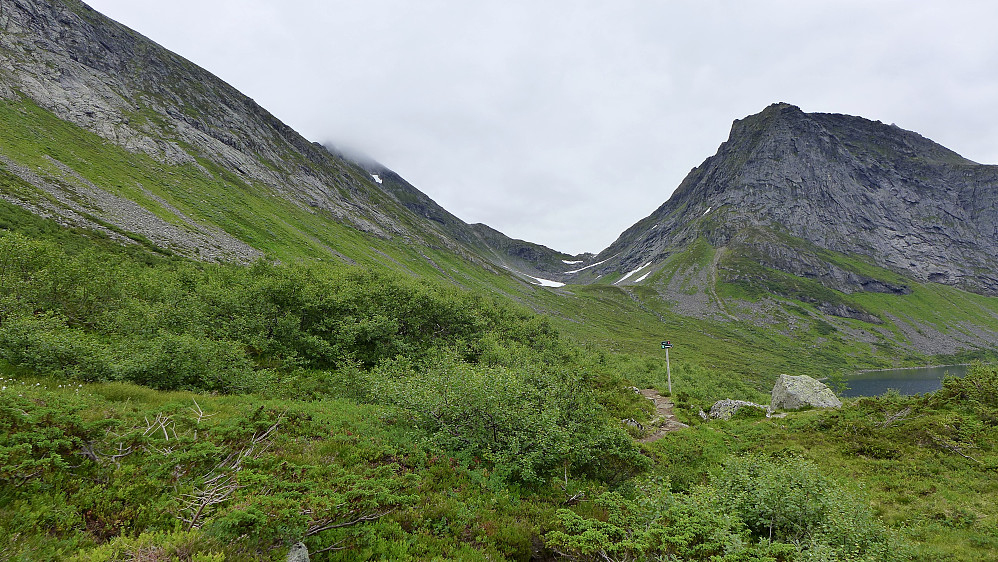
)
(43, 343)
(530, 425)
(658, 526)
(789, 500)
(185, 362)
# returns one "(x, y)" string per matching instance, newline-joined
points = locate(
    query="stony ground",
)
(665, 420)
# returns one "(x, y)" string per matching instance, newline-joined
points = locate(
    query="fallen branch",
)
(334, 546)
(326, 524)
(895, 417)
(953, 446)
(220, 482)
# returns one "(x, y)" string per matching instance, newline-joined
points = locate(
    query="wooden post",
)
(668, 370)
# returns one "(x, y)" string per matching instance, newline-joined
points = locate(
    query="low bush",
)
(529, 425)
(756, 508)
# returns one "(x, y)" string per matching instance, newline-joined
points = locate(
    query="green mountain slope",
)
(127, 136)
(135, 142)
(218, 339)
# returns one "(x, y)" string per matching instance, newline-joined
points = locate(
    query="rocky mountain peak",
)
(786, 179)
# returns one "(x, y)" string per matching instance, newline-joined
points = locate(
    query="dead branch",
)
(215, 491)
(199, 415)
(326, 524)
(90, 451)
(220, 482)
(334, 546)
(952, 446)
(895, 417)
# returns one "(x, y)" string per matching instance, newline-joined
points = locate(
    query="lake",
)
(907, 381)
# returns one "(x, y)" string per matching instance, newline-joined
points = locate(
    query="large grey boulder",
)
(791, 393)
(724, 409)
(298, 553)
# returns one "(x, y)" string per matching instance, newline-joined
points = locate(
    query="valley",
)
(219, 340)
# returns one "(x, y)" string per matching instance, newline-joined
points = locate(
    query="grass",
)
(603, 314)
(897, 452)
(925, 465)
(338, 458)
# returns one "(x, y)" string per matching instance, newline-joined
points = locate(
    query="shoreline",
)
(923, 367)
(913, 368)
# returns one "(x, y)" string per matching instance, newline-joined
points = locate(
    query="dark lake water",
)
(906, 381)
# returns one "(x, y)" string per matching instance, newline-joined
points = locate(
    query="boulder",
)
(724, 409)
(791, 393)
(298, 553)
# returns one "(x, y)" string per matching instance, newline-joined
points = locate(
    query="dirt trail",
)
(664, 420)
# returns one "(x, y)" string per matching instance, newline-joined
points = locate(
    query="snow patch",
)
(377, 178)
(624, 278)
(593, 265)
(547, 282)
(539, 281)
(576, 262)
(642, 278)
(707, 211)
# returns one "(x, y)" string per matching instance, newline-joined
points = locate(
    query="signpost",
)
(666, 345)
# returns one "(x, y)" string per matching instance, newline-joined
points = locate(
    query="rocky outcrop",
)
(87, 70)
(791, 393)
(811, 194)
(724, 409)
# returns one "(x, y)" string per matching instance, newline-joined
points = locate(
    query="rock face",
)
(65, 58)
(791, 393)
(788, 188)
(724, 409)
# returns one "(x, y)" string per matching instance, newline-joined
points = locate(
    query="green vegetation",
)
(416, 406)
(153, 406)
(612, 318)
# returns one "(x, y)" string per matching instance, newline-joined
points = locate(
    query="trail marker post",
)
(666, 345)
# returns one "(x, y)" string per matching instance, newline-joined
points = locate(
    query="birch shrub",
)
(527, 424)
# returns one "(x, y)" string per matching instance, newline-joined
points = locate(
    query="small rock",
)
(724, 409)
(791, 393)
(298, 553)
(633, 423)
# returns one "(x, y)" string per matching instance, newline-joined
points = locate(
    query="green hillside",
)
(153, 404)
(218, 339)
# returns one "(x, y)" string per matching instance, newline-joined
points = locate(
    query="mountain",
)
(844, 235)
(791, 190)
(826, 240)
(106, 130)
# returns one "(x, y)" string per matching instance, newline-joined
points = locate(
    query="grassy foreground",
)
(114, 471)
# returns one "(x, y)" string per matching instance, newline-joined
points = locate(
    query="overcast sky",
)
(564, 122)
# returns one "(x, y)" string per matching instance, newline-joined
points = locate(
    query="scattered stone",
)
(665, 419)
(791, 393)
(633, 423)
(298, 553)
(724, 409)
